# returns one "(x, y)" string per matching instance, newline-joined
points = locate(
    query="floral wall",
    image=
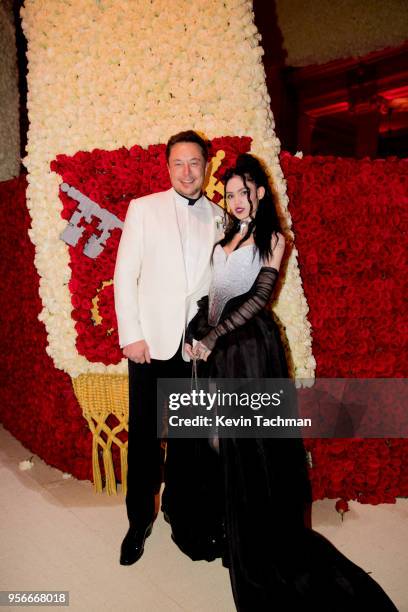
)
(104, 75)
(350, 219)
(9, 99)
(317, 32)
(37, 401)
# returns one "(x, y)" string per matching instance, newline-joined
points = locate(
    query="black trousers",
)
(145, 456)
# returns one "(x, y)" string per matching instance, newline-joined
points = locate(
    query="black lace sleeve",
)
(198, 326)
(262, 291)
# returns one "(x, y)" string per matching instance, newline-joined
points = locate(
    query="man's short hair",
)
(188, 136)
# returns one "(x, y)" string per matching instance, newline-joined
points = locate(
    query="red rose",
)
(342, 507)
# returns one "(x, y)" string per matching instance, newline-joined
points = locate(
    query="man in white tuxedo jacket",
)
(162, 270)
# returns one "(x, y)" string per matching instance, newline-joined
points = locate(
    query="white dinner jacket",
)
(152, 301)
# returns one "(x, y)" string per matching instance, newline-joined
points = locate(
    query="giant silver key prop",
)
(87, 209)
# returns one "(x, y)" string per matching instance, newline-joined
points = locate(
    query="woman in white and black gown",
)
(246, 500)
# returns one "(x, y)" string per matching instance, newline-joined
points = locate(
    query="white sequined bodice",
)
(232, 275)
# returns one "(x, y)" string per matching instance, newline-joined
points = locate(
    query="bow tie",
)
(192, 201)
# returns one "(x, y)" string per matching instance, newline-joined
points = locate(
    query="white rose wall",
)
(108, 83)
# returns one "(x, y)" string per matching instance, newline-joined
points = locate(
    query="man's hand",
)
(137, 352)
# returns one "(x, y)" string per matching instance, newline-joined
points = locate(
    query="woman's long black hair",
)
(266, 222)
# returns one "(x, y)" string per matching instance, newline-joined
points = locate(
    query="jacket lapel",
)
(206, 250)
(173, 244)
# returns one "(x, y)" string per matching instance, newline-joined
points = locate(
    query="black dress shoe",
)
(133, 544)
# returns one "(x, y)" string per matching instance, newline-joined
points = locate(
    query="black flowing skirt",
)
(248, 503)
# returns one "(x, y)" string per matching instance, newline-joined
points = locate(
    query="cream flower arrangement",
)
(109, 74)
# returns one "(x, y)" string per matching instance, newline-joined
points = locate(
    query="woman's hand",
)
(200, 351)
(188, 349)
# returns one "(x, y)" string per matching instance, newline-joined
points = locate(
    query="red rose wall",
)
(350, 222)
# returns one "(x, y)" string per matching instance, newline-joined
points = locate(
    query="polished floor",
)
(57, 534)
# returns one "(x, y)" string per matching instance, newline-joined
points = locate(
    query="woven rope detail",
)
(99, 396)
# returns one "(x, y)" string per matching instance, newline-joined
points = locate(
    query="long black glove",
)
(198, 326)
(261, 293)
